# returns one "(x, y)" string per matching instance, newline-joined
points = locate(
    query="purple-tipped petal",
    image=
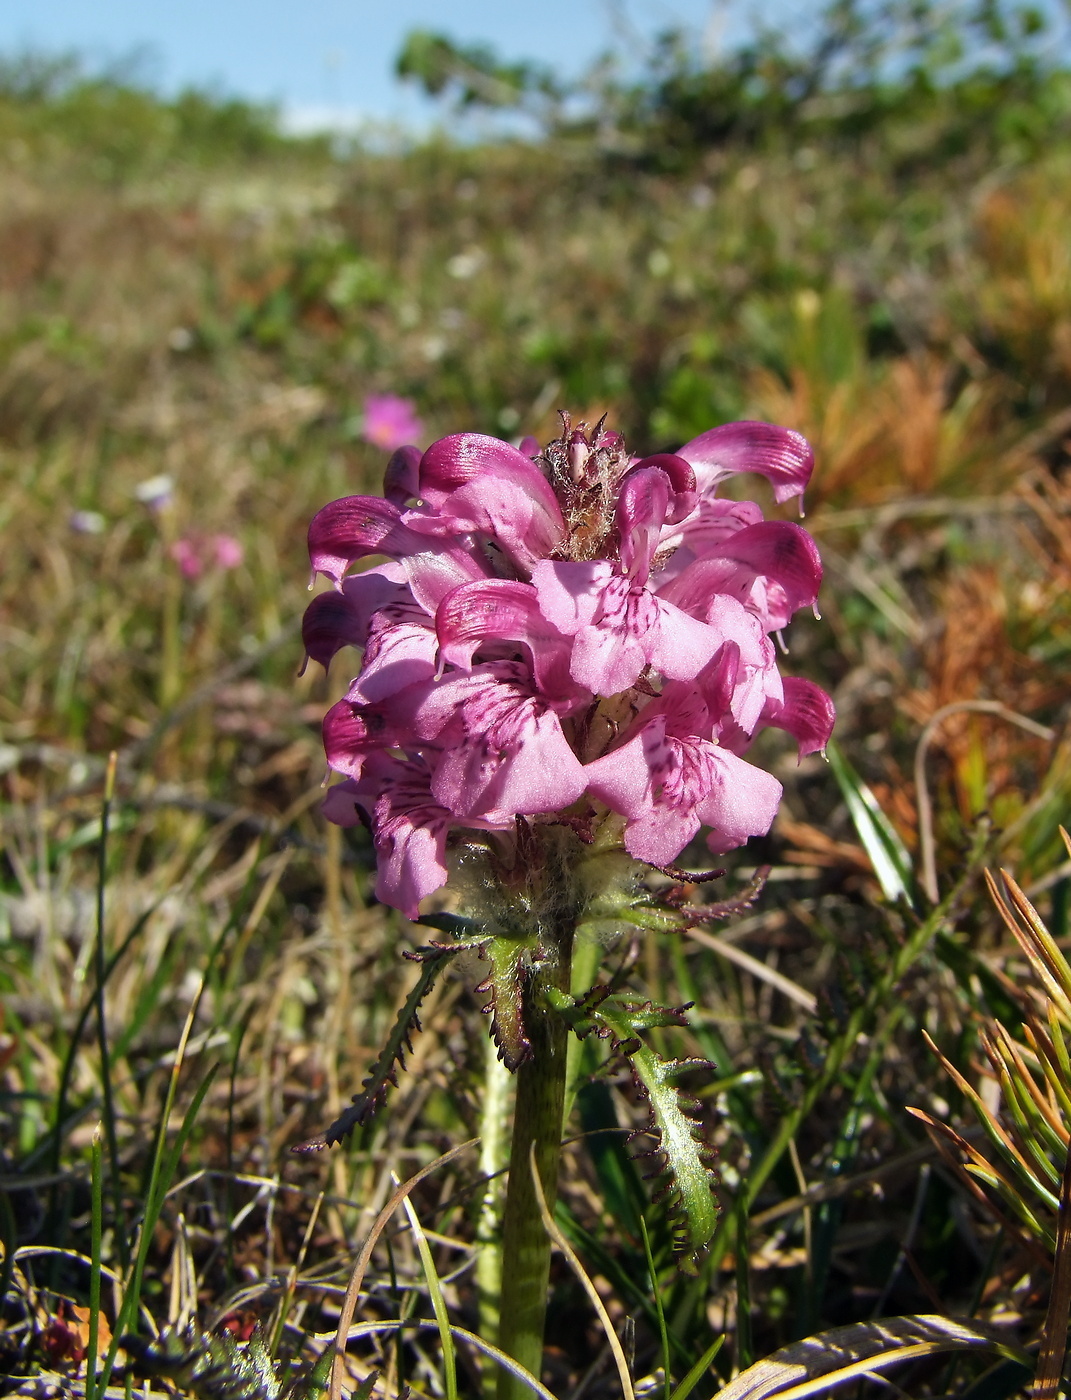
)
(353, 528)
(455, 461)
(643, 505)
(506, 611)
(773, 568)
(807, 713)
(353, 730)
(782, 456)
(478, 483)
(341, 617)
(683, 491)
(349, 739)
(401, 480)
(331, 622)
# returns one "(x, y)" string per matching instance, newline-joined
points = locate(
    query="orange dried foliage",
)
(979, 650)
(900, 429)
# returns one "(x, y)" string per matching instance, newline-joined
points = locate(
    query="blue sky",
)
(337, 56)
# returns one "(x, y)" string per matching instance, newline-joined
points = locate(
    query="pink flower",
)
(194, 553)
(560, 634)
(187, 555)
(228, 551)
(390, 422)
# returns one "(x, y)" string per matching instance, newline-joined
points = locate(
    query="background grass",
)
(185, 291)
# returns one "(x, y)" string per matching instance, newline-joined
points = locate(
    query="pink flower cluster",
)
(195, 553)
(561, 633)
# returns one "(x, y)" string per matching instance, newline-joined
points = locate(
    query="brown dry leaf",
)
(814, 847)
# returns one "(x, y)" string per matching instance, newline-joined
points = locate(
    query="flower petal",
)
(473, 482)
(409, 828)
(401, 479)
(741, 803)
(619, 628)
(782, 456)
(703, 532)
(807, 713)
(504, 752)
(773, 568)
(402, 650)
(569, 593)
(354, 527)
(505, 610)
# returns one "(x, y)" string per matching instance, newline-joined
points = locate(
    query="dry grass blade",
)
(507, 1363)
(589, 1288)
(353, 1290)
(769, 975)
(817, 1364)
(1024, 922)
(1054, 1336)
(922, 791)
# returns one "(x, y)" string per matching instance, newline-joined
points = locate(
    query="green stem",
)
(494, 1156)
(537, 1121)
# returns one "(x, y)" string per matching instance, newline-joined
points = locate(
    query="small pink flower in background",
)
(558, 635)
(195, 553)
(390, 422)
(229, 552)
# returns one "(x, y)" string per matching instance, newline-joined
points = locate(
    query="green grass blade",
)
(698, 1371)
(96, 1235)
(888, 854)
(656, 1294)
(438, 1302)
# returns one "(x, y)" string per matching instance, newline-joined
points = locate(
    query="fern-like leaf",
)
(687, 1177)
(391, 1058)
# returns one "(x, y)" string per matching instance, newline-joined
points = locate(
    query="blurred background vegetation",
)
(859, 231)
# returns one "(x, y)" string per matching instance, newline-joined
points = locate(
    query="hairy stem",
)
(494, 1156)
(537, 1120)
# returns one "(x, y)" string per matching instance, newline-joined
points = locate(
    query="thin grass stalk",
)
(438, 1302)
(656, 1294)
(163, 1164)
(9, 1240)
(698, 1371)
(95, 1236)
(67, 1072)
(537, 1128)
(623, 1355)
(861, 1016)
(102, 1028)
(745, 1349)
(353, 1288)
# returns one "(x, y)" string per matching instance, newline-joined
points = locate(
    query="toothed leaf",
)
(688, 1180)
(391, 1059)
(505, 982)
